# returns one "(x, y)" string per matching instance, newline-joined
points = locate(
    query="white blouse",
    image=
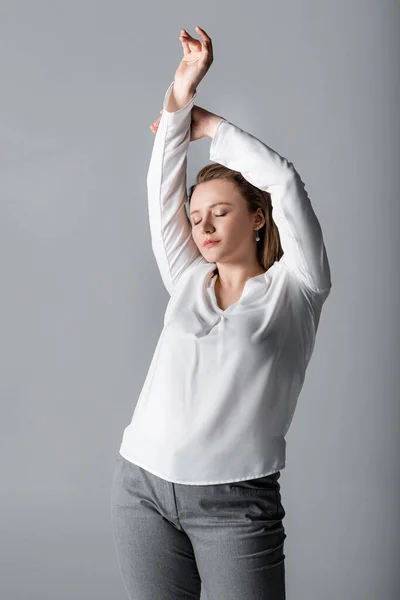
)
(222, 386)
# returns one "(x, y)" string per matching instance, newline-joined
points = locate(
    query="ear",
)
(259, 218)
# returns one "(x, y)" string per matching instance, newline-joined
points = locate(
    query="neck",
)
(222, 283)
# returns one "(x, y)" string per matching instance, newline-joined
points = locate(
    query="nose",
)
(207, 227)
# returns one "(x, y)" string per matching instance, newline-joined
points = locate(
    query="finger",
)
(157, 121)
(202, 33)
(184, 38)
(185, 34)
(206, 40)
(186, 47)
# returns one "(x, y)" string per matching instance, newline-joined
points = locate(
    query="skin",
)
(235, 227)
(236, 253)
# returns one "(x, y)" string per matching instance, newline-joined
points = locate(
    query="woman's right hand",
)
(202, 122)
(196, 61)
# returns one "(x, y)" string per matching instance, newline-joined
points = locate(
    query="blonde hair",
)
(269, 247)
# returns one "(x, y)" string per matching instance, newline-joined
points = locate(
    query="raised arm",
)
(171, 232)
(171, 236)
(299, 229)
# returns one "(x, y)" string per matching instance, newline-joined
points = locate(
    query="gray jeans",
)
(175, 541)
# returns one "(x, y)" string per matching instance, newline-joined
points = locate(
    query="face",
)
(230, 221)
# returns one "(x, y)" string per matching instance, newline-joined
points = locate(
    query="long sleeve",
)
(299, 229)
(170, 228)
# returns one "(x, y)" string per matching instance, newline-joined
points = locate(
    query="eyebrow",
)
(212, 205)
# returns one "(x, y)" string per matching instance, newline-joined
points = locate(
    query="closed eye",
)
(215, 215)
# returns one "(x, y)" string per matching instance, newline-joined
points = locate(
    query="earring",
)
(257, 238)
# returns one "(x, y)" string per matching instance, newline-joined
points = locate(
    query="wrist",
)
(184, 90)
(179, 97)
(212, 125)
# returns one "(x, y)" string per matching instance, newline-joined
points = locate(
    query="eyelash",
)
(194, 224)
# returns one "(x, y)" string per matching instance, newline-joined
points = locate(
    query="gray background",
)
(82, 302)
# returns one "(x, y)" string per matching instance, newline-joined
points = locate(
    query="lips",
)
(210, 243)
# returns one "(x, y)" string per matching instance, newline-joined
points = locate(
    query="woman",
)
(196, 501)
